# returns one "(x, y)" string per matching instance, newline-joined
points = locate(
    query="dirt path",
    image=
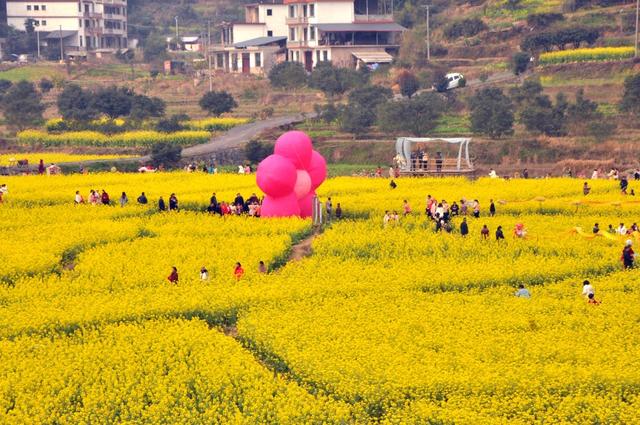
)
(303, 248)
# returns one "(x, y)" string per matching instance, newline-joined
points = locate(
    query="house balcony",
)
(373, 18)
(298, 20)
(93, 15)
(115, 31)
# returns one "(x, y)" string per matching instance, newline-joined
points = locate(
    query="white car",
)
(146, 169)
(453, 80)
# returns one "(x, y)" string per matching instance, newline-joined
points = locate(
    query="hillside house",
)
(255, 45)
(83, 26)
(349, 33)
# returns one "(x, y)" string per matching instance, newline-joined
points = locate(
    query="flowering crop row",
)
(587, 55)
(127, 139)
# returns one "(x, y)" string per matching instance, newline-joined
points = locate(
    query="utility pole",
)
(38, 41)
(209, 54)
(61, 47)
(637, 22)
(426, 6)
(177, 40)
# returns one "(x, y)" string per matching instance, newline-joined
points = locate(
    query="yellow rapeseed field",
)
(384, 324)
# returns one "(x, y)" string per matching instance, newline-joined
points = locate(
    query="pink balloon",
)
(286, 206)
(303, 184)
(306, 205)
(296, 146)
(317, 170)
(276, 176)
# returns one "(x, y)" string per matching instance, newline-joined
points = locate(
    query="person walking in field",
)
(262, 268)
(499, 233)
(385, 219)
(338, 211)
(628, 256)
(329, 207)
(142, 199)
(123, 199)
(173, 202)
(522, 292)
(484, 233)
(406, 207)
(161, 205)
(105, 198)
(464, 227)
(78, 199)
(587, 289)
(238, 272)
(492, 209)
(173, 277)
(586, 189)
(592, 300)
(204, 273)
(476, 208)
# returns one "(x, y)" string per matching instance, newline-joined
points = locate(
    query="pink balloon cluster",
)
(290, 176)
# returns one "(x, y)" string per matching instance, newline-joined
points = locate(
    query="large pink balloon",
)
(276, 176)
(286, 206)
(317, 170)
(306, 205)
(303, 184)
(296, 146)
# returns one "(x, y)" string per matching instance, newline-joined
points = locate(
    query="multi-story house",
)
(255, 45)
(82, 25)
(349, 33)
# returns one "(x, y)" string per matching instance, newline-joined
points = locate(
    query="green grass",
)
(453, 124)
(115, 70)
(498, 8)
(559, 80)
(32, 72)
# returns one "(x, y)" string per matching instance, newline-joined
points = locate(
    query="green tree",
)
(155, 48)
(288, 75)
(491, 113)
(333, 80)
(172, 124)
(22, 105)
(418, 115)
(630, 102)
(370, 96)
(114, 101)
(256, 151)
(408, 83)
(355, 119)
(217, 102)
(520, 62)
(166, 154)
(536, 110)
(143, 107)
(45, 85)
(5, 85)
(76, 104)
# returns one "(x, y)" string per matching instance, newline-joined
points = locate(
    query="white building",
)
(349, 33)
(83, 25)
(255, 45)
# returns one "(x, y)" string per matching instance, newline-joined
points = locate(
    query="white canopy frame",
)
(403, 150)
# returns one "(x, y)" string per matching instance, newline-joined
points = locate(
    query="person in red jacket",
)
(105, 197)
(238, 272)
(173, 277)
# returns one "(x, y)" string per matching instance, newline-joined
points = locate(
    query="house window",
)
(258, 60)
(269, 12)
(325, 55)
(317, 56)
(312, 10)
(80, 39)
(304, 10)
(312, 33)
(36, 23)
(43, 7)
(36, 7)
(292, 11)
(28, 7)
(80, 23)
(44, 23)
(304, 34)
(269, 33)
(297, 56)
(292, 34)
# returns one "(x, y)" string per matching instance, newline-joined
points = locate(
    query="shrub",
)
(465, 28)
(333, 80)
(167, 154)
(408, 83)
(216, 124)
(520, 62)
(288, 75)
(542, 20)
(491, 113)
(45, 85)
